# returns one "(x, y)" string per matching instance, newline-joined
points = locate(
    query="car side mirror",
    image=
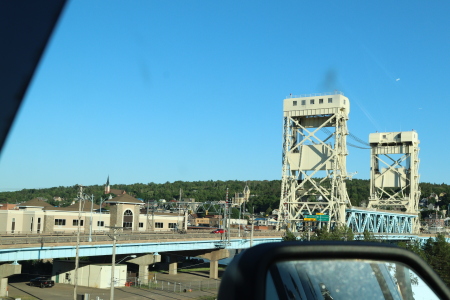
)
(330, 270)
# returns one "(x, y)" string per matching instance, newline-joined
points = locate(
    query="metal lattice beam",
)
(374, 221)
(314, 159)
(394, 176)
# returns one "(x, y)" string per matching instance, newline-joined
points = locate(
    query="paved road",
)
(63, 291)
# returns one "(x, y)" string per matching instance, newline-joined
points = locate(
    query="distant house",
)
(265, 222)
(8, 206)
(188, 199)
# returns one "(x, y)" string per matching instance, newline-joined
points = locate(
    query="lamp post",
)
(239, 226)
(90, 225)
(77, 251)
(132, 256)
(253, 222)
(113, 259)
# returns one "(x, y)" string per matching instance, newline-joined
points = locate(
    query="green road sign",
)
(318, 218)
(323, 218)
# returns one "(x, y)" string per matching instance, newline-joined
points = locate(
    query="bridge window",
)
(295, 103)
(100, 223)
(75, 222)
(311, 101)
(303, 102)
(60, 222)
(159, 225)
(172, 225)
(141, 224)
(330, 100)
(320, 101)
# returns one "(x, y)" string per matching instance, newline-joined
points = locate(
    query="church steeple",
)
(107, 188)
(246, 192)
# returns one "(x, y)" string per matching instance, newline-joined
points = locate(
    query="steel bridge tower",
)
(394, 172)
(314, 159)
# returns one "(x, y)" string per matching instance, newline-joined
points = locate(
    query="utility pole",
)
(153, 217)
(148, 220)
(77, 251)
(253, 224)
(113, 262)
(90, 225)
(101, 210)
(227, 218)
(239, 225)
(309, 231)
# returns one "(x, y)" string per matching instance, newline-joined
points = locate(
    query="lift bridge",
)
(314, 171)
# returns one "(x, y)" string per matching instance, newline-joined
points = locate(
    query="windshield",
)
(154, 92)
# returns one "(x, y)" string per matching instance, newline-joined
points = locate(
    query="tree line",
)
(265, 194)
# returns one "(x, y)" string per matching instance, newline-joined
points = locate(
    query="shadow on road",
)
(19, 289)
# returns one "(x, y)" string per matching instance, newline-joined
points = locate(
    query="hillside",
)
(265, 194)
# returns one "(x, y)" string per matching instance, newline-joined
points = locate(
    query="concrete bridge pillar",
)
(214, 258)
(173, 265)
(5, 271)
(143, 262)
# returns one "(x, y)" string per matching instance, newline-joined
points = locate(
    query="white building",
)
(37, 216)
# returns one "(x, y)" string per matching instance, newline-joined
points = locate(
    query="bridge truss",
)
(314, 159)
(379, 222)
(394, 174)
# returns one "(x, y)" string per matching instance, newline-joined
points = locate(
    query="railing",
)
(177, 287)
(316, 94)
(41, 239)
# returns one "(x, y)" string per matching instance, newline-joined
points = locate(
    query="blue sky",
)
(156, 91)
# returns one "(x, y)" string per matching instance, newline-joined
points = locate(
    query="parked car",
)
(220, 230)
(42, 282)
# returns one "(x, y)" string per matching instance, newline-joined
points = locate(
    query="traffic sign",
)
(323, 218)
(318, 218)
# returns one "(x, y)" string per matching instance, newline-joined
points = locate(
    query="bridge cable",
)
(358, 139)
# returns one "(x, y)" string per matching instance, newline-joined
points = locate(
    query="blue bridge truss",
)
(380, 222)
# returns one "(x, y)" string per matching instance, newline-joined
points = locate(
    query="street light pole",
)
(253, 223)
(132, 256)
(90, 226)
(239, 224)
(113, 262)
(77, 251)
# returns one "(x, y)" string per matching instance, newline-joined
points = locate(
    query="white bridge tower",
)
(394, 172)
(314, 159)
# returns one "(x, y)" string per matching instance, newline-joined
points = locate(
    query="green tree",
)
(339, 233)
(289, 236)
(234, 213)
(437, 255)
(369, 237)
